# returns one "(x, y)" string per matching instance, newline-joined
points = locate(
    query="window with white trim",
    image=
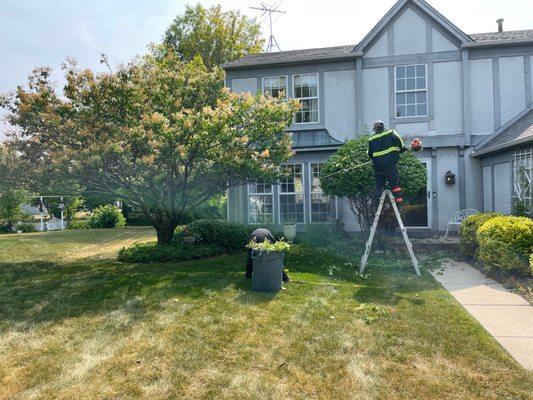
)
(323, 207)
(276, 86)
(305, 89)
(260, 200)
(291, 194)
(411, 91)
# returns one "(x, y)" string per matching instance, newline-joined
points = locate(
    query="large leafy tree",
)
(357, 184)
(214, 35)
(11, 202)
(160, 134)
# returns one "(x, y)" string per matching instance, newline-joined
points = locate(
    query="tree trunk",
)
(165, 231)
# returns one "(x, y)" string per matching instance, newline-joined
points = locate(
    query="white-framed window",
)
(275, 85)
(305, 89)
(323, 207)
(411, 91)
(260, 203)
(291, 194)
(523, 180)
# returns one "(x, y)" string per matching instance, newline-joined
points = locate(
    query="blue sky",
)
(44, 32)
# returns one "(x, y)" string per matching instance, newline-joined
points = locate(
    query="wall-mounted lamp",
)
(450, 178)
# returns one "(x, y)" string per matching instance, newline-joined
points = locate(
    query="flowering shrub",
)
(468, 232)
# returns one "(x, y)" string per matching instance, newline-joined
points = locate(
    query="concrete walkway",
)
(506, 316)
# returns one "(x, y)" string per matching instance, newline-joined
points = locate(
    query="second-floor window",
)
(276, 86)
(411, 91)
(305, 89)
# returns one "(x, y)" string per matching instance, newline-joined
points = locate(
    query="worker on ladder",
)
(384, 149)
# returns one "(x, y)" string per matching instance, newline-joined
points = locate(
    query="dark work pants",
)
(381, 178)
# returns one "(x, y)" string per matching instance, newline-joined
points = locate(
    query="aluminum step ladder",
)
(374, 228)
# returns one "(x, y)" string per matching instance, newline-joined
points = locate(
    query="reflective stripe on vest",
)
(386, 151)
(385, 133)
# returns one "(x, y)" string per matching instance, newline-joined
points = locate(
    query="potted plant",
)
(268, 265)
(289, 229)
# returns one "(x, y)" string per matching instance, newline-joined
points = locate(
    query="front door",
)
(416, 211)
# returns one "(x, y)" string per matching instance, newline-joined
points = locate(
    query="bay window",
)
(323, 207)
(291, 194)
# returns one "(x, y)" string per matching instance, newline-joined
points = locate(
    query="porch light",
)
(450, 178)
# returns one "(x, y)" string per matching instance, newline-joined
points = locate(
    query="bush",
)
(25, 227)
(152, 252)
(226, 235)
(468, 232)
(107, 216)
(78, 224)
(506, 242)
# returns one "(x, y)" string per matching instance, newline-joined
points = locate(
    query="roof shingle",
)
(518, 132)
(505, 35)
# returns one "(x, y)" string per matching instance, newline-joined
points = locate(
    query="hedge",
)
(78, 224)
(506, 243)
(107, 216)
(468, 231)
(226, 235)
(152, 252)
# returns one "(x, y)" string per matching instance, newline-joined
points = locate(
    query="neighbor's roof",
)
(518, 131)
(506, 35)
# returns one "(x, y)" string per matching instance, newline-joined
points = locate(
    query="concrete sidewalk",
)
(506, 316)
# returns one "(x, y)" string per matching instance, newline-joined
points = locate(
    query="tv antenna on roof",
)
(265, 8)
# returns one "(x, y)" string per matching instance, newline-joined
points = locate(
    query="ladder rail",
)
(373, 229)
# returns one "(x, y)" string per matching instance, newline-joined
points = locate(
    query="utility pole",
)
(272, 42)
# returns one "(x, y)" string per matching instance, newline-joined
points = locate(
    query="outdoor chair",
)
(458, 218)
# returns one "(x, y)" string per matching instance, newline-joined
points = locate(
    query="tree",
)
(163, 135)
(214, 35)
(11, 202)
(357, 185)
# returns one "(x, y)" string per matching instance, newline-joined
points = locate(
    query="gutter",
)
(326, 57)
(502, 146)
(492, 43)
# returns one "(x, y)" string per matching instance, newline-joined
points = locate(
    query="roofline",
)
(347, 56)
(502, 128)
(318, 148)
(503, 146)
(427, 8)
(492, 43)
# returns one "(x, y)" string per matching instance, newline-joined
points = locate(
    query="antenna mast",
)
(272, 42)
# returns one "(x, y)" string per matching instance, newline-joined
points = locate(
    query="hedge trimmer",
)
(416, 145)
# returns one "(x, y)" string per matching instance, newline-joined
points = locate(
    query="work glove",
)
(416, 144)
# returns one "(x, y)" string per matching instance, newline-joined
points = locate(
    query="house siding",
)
(471, 93)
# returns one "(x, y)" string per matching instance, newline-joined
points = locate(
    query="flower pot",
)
(289, 231)
(268, 271)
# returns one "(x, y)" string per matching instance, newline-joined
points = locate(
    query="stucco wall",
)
(447, 94)
(441, 43)
(448, 195)
(339, 99)
(502, 193)
(245, 85)
(473, 183)
(481, 96)
(409, 33)
(380, 48)
(487, 189)
(416, 128)
(375, 96)
(512, 93)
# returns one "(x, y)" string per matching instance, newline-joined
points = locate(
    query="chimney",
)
(500, 24)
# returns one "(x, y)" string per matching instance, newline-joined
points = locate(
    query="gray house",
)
(467, 96)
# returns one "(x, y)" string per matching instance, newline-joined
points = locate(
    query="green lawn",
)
(76, 324)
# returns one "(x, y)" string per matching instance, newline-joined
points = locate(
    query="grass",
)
(74, 323)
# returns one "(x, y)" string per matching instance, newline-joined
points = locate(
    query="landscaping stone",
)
(505, 315)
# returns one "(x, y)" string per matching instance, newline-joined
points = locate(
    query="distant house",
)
(468, 96)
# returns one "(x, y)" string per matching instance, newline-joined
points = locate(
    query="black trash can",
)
(268, 271)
